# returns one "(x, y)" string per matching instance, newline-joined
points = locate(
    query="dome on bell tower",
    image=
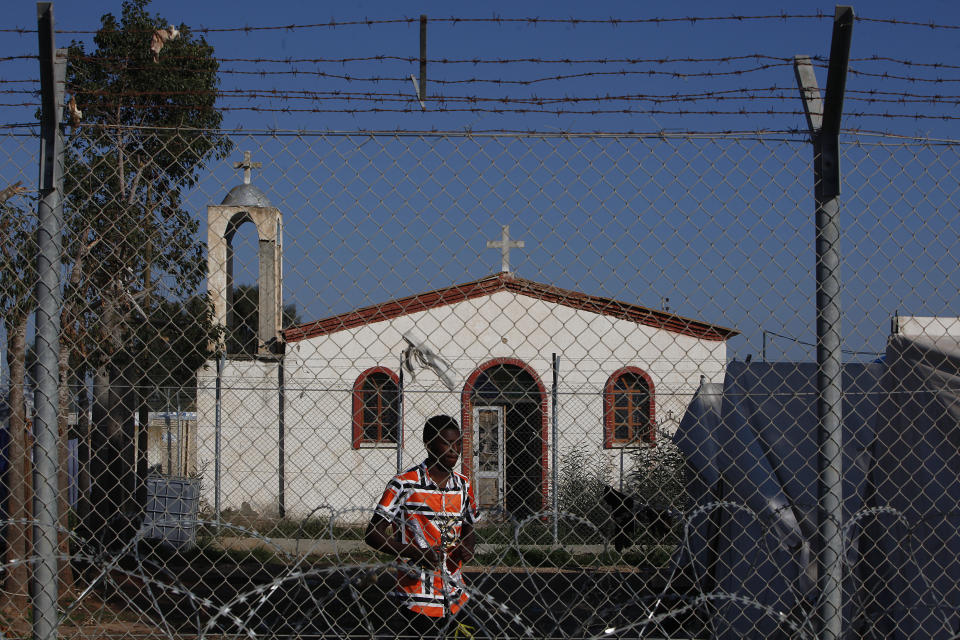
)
(246, 195)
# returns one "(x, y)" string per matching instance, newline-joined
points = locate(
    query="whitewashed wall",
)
(249, 445)
(324, 469)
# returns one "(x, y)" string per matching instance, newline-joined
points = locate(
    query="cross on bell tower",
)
(505, 244)
(246, 165)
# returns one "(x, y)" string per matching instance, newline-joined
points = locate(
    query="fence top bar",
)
(809, 92)
(48, 98)
(837, 71)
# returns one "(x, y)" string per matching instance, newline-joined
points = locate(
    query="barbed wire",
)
(415, 108)
(380, 96)
(820, 60)
(478, 80)
(506, 541)
(890, 76)
(778, 94)
(674, 74)
(878, 137)
(813, 344)
(747, 93)
(773, 62)
(452, 20)
(501, 81)
(471, 61)
(773, 93)
(896, 94)
(901, 61)
(532, 60)
(282, 132)
(909, 23)
(529, 21)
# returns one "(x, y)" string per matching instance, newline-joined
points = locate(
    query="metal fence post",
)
(181, 455)
(281, 439)
(49, 223)
(218, 411)
(166, 422)
(824, 126)
(399, 435)
(556, 443)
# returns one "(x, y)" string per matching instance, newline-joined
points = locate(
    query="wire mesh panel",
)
(505, 385)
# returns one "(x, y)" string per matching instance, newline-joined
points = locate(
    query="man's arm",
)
(464, 550)
(378, 536)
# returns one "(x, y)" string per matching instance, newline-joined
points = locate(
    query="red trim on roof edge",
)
(508, 282)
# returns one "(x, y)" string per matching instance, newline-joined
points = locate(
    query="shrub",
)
(581, 477)
(658, 477)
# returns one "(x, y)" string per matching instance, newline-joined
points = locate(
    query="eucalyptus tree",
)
(18, 253)
(149, 125)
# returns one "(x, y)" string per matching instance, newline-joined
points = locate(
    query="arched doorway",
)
(505, 436)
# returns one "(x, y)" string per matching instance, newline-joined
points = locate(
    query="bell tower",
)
(247, 203)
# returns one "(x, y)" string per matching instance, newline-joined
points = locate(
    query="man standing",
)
(432, 510)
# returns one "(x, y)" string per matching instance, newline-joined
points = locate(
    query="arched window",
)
(628, 409)
(376, 407)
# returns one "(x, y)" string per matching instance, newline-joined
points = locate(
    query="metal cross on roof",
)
(246, 165)
(505, 244)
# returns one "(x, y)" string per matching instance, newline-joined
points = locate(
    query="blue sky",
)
(721, 227)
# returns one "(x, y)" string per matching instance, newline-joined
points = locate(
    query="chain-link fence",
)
(621, 327)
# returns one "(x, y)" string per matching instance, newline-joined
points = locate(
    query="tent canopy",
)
(752, 445)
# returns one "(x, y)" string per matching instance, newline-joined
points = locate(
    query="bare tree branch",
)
(13, 190)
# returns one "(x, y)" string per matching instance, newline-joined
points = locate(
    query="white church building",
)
(324, 416)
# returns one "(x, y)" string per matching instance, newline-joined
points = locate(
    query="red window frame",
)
(384, 438)
(609, 404)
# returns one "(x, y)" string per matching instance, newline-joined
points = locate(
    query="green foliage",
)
(119, 84)
(306, 528)
(296, 528)
(18, 256)
(134, 256)
(245, 323)
(659, 476)
(581, 477)
(494, 532)
(147, 130)
(177, 337)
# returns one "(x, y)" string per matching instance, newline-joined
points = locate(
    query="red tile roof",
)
(508, 282)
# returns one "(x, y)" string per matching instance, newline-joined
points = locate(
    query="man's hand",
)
(426, 558)
(461, 554)
(380, 539)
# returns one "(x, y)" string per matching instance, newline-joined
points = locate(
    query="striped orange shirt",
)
(418, 507)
